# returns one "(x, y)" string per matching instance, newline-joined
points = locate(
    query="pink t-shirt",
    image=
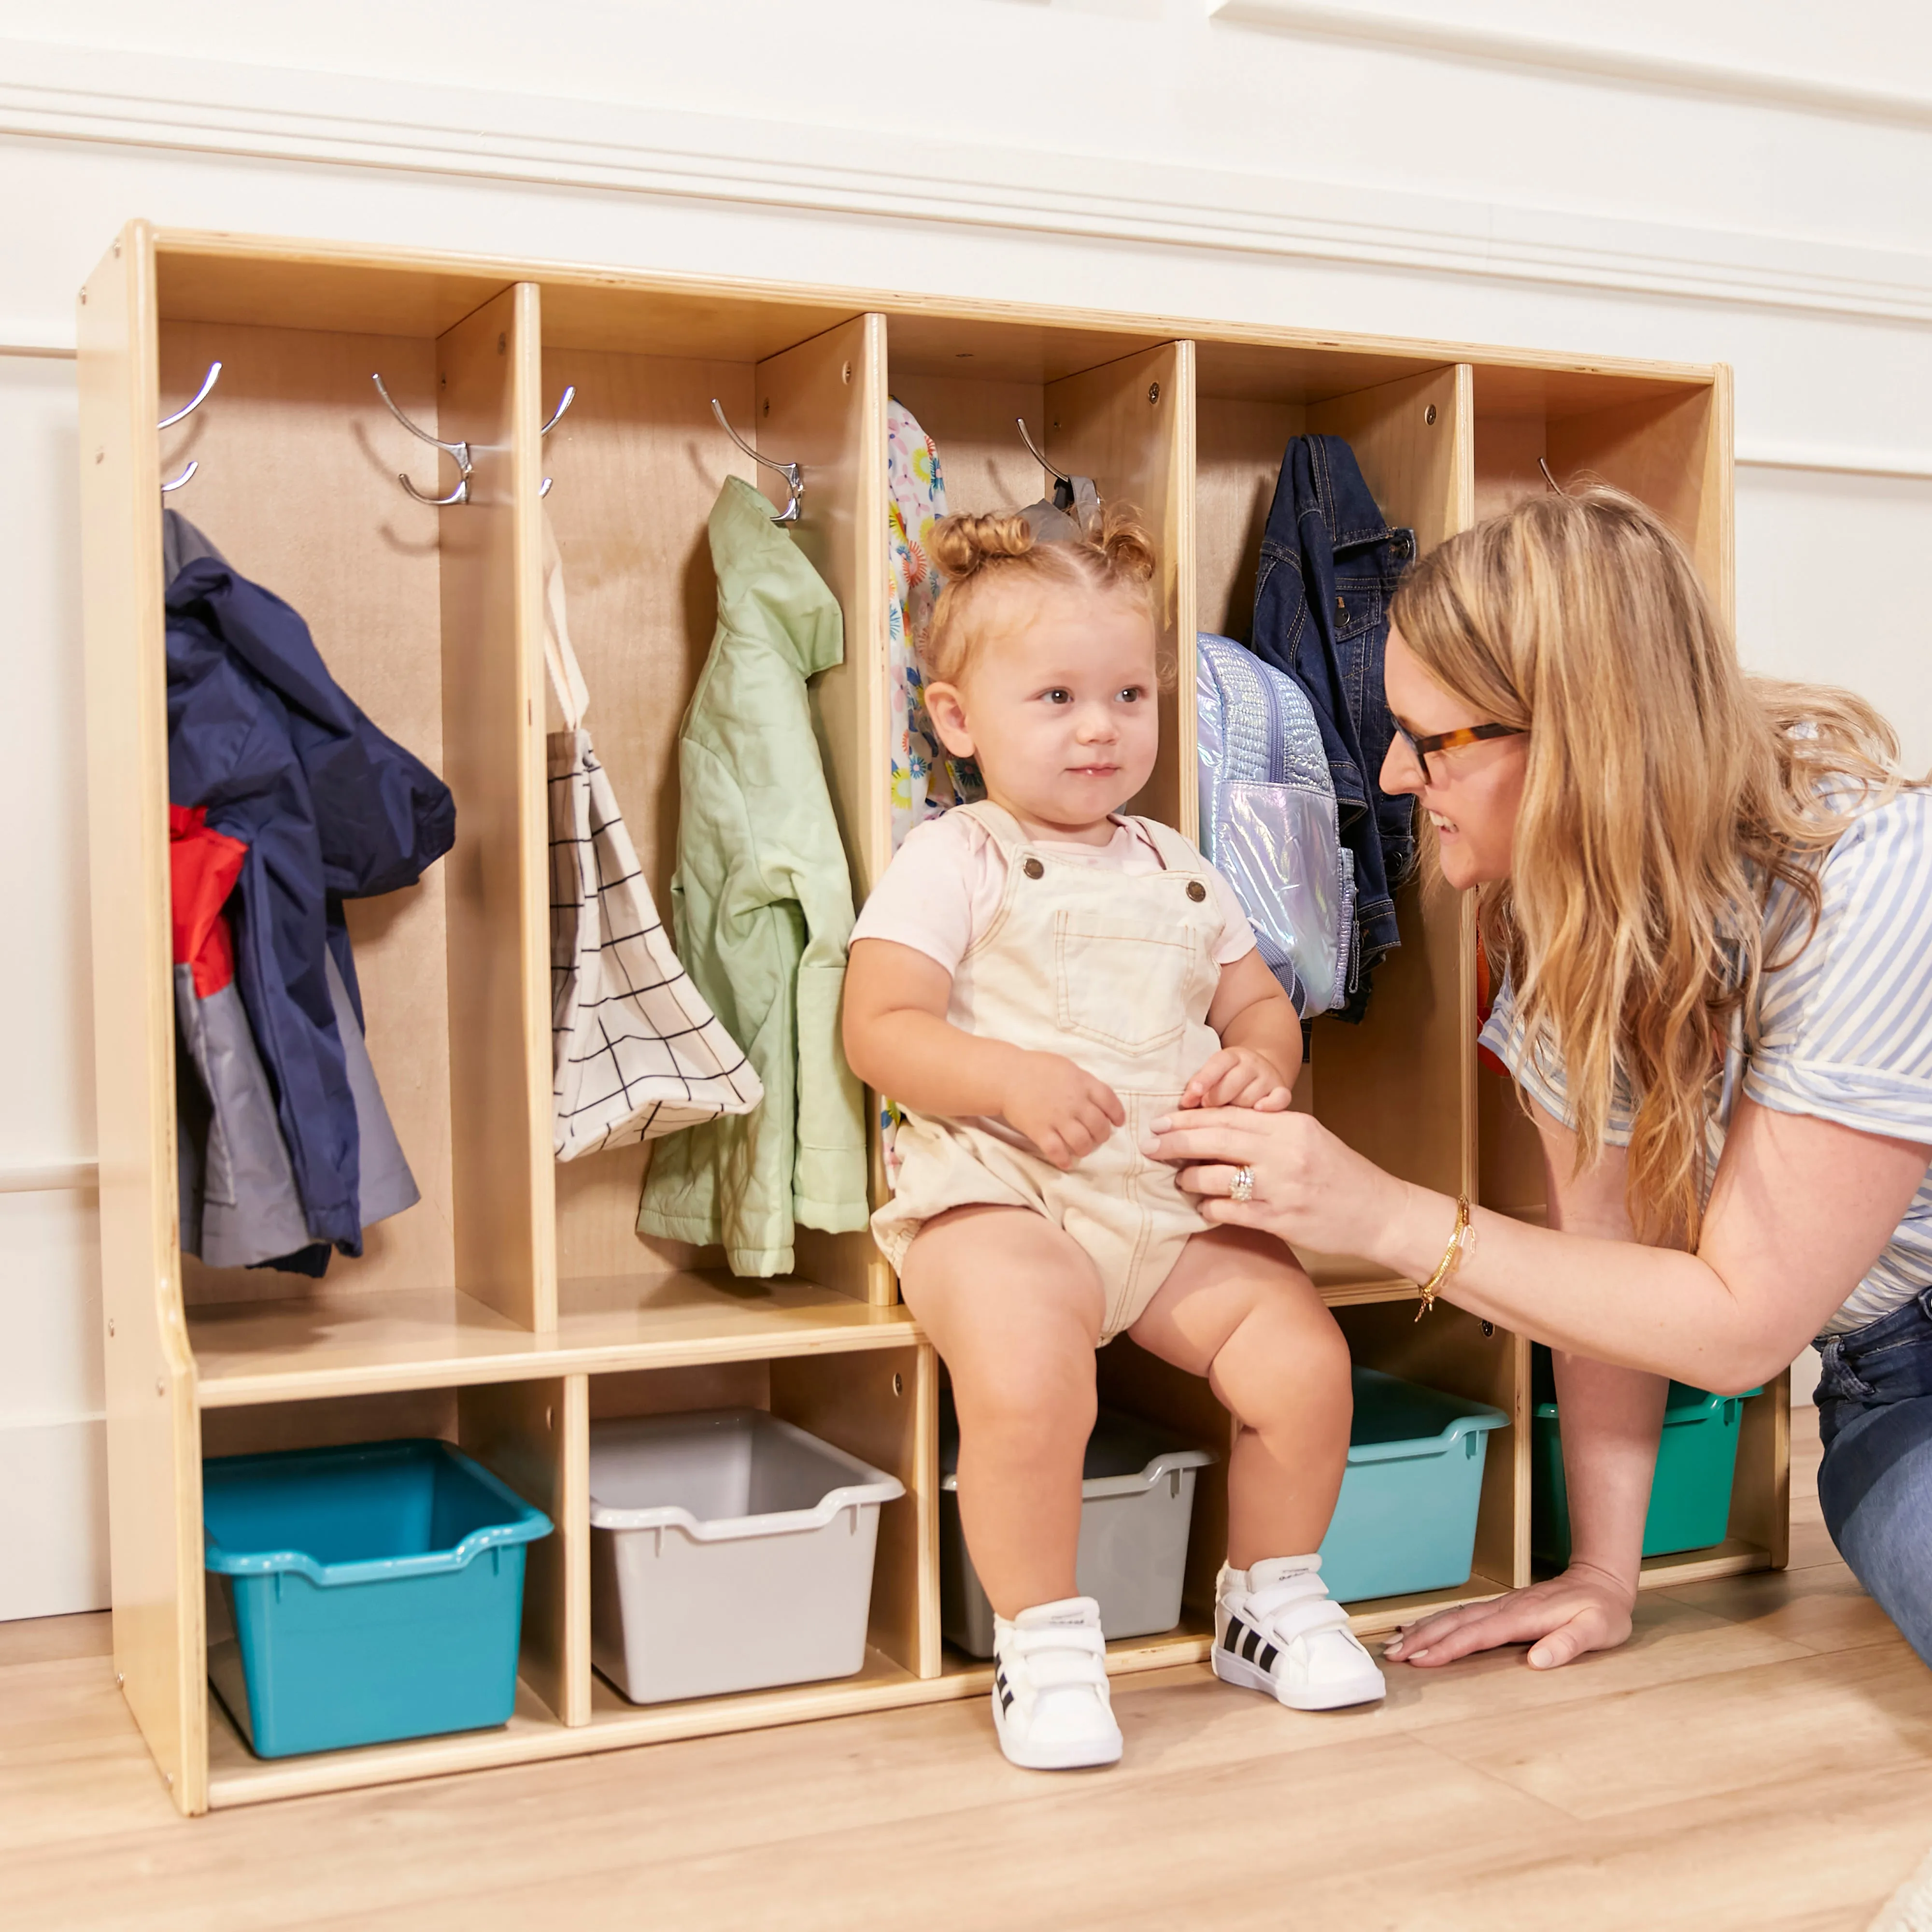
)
(945, 883)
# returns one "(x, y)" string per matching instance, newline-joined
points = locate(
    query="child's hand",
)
(1237, 1076)
(1060, 1107)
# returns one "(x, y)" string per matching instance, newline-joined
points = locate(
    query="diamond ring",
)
(1242, 1187)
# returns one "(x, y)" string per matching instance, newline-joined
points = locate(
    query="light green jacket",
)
(762, 908)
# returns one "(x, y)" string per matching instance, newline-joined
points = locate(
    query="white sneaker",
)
(1051, 1704)
(1277, 1629)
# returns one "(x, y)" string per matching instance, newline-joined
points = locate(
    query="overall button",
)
(1034, 869)
(1196, 891)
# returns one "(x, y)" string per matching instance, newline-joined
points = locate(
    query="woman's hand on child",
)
(1238, 1076)
(1060, 1107)
(1308, 1187)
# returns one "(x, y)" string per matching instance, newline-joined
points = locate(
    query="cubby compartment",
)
(1116, 407)
(1456, 1354)
(1407, 420)
(877, 1405)
(1756, 1531)
(1666, 438)
(414, 609)
(523, 1434)
(1180, 1408)
(638, 462)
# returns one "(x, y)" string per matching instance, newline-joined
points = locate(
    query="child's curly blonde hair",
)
(983, 557)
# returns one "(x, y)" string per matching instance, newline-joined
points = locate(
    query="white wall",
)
(1713, 180)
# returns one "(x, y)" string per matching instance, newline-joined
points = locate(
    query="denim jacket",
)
(1328, 564)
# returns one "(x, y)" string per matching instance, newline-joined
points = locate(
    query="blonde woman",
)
(1710, 899)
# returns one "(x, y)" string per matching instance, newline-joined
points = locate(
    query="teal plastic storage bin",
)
(360, 1595)
(1689, 1495)
(1406, 1519)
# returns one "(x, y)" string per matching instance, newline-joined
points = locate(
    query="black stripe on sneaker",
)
(1253, 1644)
(1236, 1629)
(1266, 1660)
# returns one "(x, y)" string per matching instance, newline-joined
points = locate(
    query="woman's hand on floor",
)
(1584, 1609)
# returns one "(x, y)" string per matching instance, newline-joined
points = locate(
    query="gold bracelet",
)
(1452, 1256)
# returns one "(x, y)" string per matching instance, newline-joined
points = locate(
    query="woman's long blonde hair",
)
(1665, 791)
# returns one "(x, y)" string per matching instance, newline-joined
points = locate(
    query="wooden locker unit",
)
(517, 1303)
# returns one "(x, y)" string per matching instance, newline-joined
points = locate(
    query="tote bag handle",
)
(573, 695)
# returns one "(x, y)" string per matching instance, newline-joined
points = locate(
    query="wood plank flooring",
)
(1759, 1755)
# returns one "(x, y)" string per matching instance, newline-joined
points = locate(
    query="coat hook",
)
(208, 382)
(1549, 479)
(556, 415)
(459, 450)
(1063, 485)
(793, 475)
(1058, 476)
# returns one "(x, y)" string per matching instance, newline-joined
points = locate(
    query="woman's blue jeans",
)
(1875, 1483)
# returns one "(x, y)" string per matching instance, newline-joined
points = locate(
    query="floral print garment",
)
(924, 781)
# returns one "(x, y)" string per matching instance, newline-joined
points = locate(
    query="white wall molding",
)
(55, 1177)
(1605, 58)
(19, 338)
(227, 109)
(1754, 454)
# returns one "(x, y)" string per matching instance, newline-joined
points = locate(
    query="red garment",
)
(204, 866)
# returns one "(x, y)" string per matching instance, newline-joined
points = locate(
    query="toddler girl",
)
(1035, 980)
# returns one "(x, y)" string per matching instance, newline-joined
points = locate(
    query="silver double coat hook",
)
(793, 475)
(569, 397)
(459, 450)
(208, 382)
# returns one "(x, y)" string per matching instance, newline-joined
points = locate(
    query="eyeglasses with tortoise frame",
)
(1448, 741)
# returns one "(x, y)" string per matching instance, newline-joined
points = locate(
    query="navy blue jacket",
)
(330, 809)
(1329, 564)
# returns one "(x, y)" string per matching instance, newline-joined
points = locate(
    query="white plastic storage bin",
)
(729, 1551)
(1136, 1502)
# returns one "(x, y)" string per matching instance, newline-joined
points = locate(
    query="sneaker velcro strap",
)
(1042, 1640)
(1292, 1610)
(1065, 1672)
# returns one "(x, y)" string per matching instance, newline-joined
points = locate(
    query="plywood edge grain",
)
(153, 1431)
(190, 242)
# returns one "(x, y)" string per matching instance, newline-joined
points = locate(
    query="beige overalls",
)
(1116, 971)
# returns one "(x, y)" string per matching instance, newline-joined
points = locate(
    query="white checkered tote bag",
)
(635, 1052)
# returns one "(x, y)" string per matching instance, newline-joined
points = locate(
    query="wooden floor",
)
(1759, 1756)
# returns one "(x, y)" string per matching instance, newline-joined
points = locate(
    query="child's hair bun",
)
(1113, 557)
(1124, 541)
(962, 545)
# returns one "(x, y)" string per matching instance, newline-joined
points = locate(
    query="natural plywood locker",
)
(516, 1303)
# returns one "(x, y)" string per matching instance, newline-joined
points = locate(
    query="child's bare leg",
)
(1014, 1307)
(1239, 1309)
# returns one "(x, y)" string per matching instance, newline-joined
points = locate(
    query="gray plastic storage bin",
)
(729, 1551)
(1137, 1498)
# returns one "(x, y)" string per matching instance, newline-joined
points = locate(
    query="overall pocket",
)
(1115, 986)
